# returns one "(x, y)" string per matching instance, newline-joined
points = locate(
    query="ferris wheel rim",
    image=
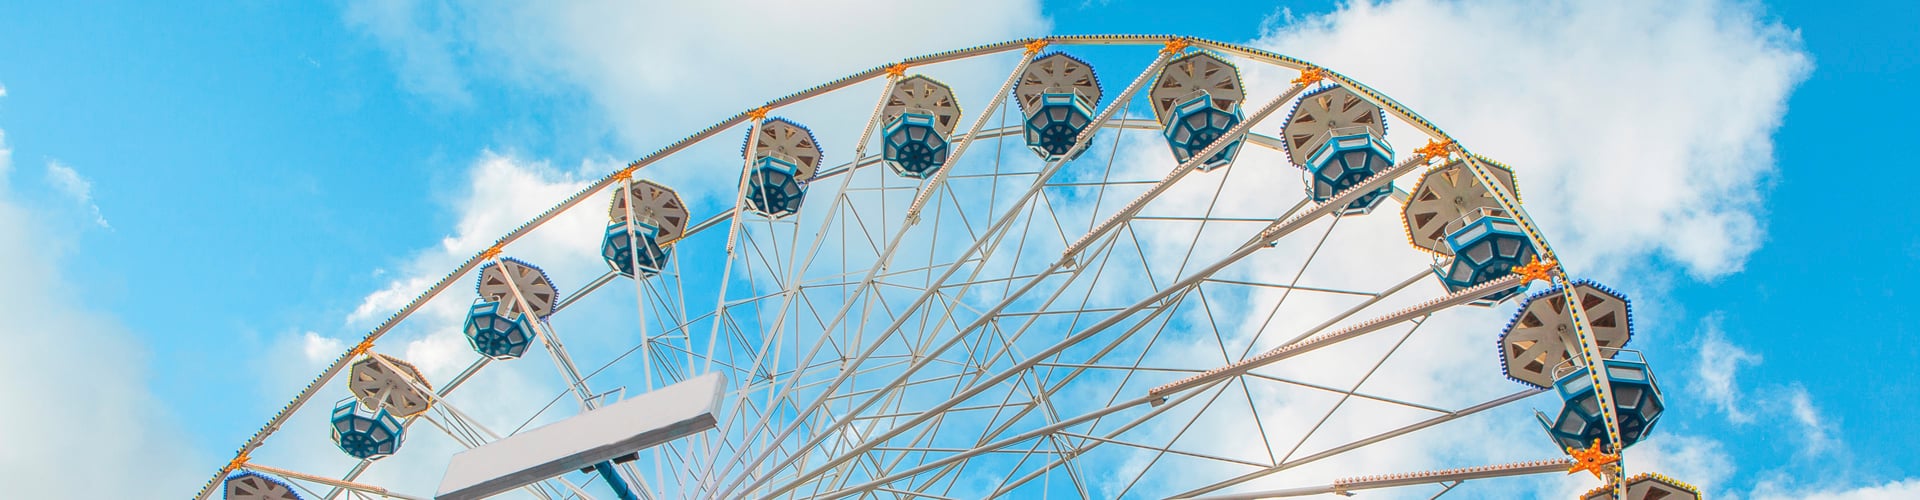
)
(1386, 104)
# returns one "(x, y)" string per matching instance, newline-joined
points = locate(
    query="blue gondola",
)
(493, 334)
(1197, 123)
(1635, 396)
(617, 248)
(364, 434)
(913, 146)
(1488, 245)
(1053, 126)
(1350, 157)
(772, 188)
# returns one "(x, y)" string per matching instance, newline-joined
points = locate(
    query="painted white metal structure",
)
(670, 413)
(1086, 326)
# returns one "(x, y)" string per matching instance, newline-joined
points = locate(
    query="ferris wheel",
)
(1163, 288)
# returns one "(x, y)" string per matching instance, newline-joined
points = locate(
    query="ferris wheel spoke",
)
(1202, 156)
(939, 180)
(1063, 381)
(1011, 213)
(1446, 479)
(1030, 285)
(869, 351)
(1063, 384)
(1023, 437)
(866, 463)
(1156, 316)
(1290, 350)
(1423, 274)
(1334, 390)
(1004, 374)
(1007, 342)
(1364, 442)
(1026, 382)
(1259, 424)
(1162, 451)
(1008, 347)
(1348, 393)
(1030, 222)
(1133, 208)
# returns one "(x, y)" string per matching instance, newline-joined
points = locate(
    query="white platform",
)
(642, 422)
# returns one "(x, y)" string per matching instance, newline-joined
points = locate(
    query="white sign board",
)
(645, 421)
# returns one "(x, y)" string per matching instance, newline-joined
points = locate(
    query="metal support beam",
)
(348, 485)
(1311, 344)
(980, 244)
(1348, 486)
(1370, 440)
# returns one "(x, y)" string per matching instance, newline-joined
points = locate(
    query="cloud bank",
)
(81, 421)
(1641, 131)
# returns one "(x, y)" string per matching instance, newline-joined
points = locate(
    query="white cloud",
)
(1815, 432)
(658, 70)
(1700, 461)
(318, 349)
(1716, 379)
(6, 160)
(75, 379)
(69, 183)
(1639, 130)
(1891, 490)
(501, 192)
(498, 193)
(421, 49)
(1717, 369)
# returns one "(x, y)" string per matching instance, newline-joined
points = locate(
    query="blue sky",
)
(206, 186)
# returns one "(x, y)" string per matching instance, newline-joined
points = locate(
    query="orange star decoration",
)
(1174, 46)
(1034, 46)
(623, 174)
(490, 252)
(1436, 150)
(238, 461)
(1310, 76)
(361, 348)
(1537, 270)
(757, 114)
(1593, 460)
(897, 70)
